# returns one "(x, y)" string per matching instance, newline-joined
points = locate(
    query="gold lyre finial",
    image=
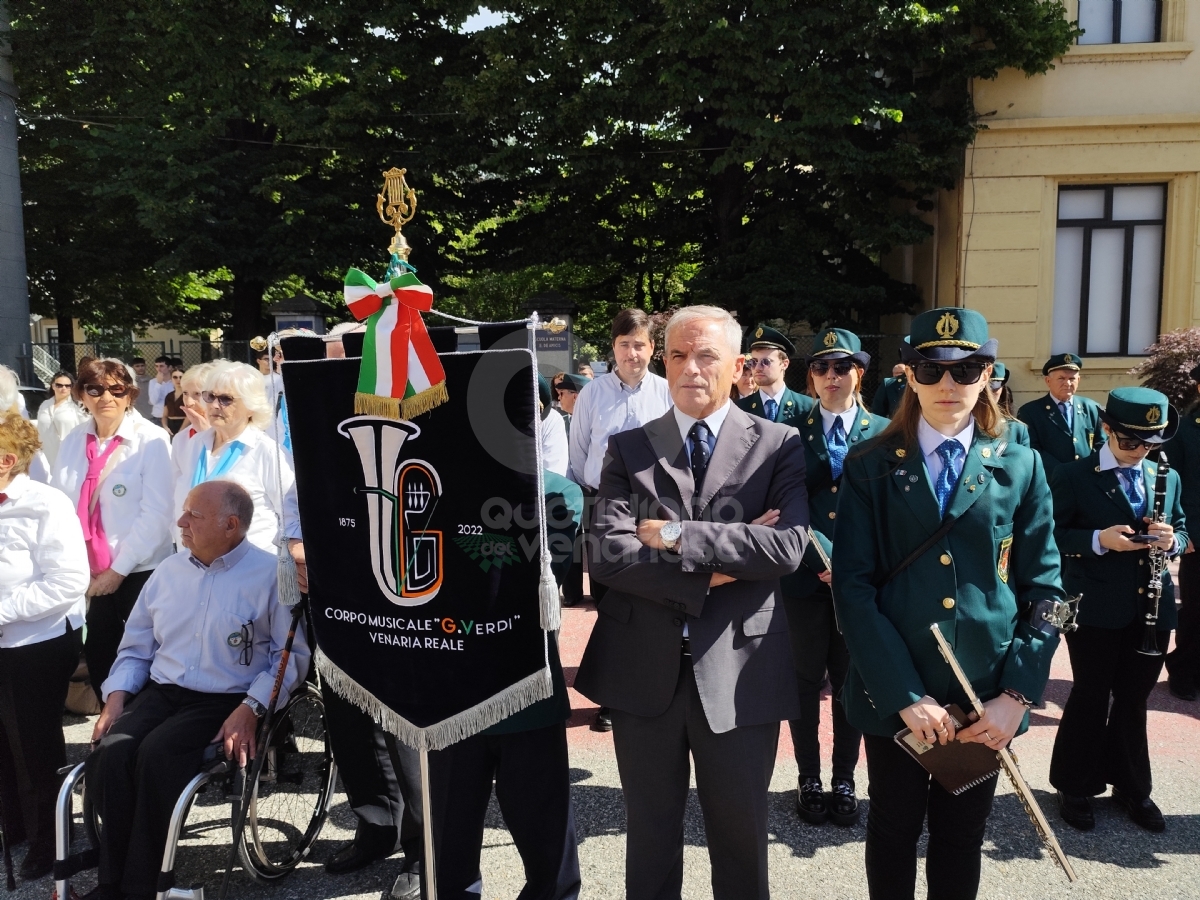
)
(396, 205)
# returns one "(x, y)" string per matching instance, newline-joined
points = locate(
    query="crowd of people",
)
(141, 518)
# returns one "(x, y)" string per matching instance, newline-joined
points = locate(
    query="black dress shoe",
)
(603, 720)
(843, 805)
(1076, 811)
(407, 886)
(1143, 812)
(358, 854)
(810, 801)
(1182, 687)
(38, 861)
(102, 892)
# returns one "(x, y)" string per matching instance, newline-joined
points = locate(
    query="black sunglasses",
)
(65, 387)
(1129, 444)
(961, 372)
(221, 400)
(841, 368)
(97, 390)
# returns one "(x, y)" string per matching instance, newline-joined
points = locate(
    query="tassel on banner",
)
(289, 590)
(425, 401)
(374, 405)
(551, 609)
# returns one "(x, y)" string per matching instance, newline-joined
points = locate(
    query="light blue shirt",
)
(1067, 408)
(930, 439)
(607, 406)
(188, 625)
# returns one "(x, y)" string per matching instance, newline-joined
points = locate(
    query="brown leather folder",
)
(956, 766)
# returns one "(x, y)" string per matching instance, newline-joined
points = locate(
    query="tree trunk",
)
(248, 320)
(66, 334)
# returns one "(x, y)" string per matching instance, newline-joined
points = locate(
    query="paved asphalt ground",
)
(1117, 860)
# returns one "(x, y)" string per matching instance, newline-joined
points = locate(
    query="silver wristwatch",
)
(669, 534)
(255, 707)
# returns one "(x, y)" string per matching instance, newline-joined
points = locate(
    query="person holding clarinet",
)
(941, 519)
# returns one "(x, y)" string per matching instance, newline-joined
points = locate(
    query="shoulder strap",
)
(947, 524)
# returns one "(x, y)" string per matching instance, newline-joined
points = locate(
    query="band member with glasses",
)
(116, 468)
(196, 669)
(770, 356)
(838, 424)
(1063, 427)
(943, 491)
(58, 415)
(1183, 663)
(236, 448)
(1103, 511)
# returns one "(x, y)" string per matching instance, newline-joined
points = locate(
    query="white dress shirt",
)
(55, 422)
(259, 470)
(43, 564)
(159, 391)
(39, 468)
(714, 423)
(555, 453)
(847, 417)
(607, 406)
(188, 624)
(135, 490)
(930, 439)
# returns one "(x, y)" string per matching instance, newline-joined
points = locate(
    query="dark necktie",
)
(700, 452)
(3, 497)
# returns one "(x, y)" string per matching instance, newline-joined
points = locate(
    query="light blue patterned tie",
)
(1065, 409)
(771, 408)
(1132, 481)
(835, 441)
(950, 453)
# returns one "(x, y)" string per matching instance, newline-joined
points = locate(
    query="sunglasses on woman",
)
(97, 390)
(962, 372)
(841, 368)
(62, 386)
(222, 400)
(1129, 444)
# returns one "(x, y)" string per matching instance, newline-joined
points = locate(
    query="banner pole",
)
(428, 866)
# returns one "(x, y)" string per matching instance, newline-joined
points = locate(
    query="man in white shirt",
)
(196, 667)
(160, 388)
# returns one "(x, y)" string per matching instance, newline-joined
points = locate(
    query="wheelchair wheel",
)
(290, 799)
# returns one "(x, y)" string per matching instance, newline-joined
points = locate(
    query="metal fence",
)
(49, 358)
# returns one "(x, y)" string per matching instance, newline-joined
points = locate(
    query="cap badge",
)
(947, 325)
(1153, 415)
(831, 339)
(758, 333)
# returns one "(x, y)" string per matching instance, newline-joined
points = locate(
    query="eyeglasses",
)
(98, 390)
(962, 372)
(995, 384)
(247, 654)
(765, 362)
(841, 368)
(1129, 444)
(222, 400)
(59, 386)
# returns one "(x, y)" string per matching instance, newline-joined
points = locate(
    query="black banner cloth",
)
(423, 543)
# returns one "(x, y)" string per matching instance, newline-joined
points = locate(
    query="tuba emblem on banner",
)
(402, 495)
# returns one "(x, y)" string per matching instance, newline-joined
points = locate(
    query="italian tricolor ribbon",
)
(400, 375)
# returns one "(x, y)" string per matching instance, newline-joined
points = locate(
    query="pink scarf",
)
(99, 554)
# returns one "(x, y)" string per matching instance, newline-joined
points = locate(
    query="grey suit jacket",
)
(738, 631)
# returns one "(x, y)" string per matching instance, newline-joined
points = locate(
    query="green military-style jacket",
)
(1183, 452)
(888, 396)
(1050, 436)
(1113, 585)
(977, 583)
(823, 493)
(792, 407)
(1017, 432)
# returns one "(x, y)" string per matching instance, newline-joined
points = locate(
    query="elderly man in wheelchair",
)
(194, 674)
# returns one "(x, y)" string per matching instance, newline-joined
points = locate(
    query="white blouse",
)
(260, 470)
(43, 564)
(55, 422)
(135, 492)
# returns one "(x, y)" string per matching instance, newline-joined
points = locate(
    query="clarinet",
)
(1158, 563)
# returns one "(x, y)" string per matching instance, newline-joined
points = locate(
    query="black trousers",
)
(903, 798)
(138, 771)
(1097, 745)
(819, 647)
(733, 774)
(382, 778)
(33, 689)
(533, 789)
(106, 617)
(1184, 661)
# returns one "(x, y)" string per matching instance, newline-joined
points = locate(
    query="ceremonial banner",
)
(423, 541)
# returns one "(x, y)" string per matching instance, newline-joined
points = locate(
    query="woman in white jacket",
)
(58, 415)
(116, 471)
(43, 577)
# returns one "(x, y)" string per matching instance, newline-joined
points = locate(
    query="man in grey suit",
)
(698, 515)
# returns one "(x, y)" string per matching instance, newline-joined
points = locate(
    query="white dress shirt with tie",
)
(930, 439)
(217, 629)
(607, 406)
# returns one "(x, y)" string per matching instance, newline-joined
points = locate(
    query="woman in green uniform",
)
(837, 424)
(944, 477)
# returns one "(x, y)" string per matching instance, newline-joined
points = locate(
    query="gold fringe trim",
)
(372, 405)
(433, 396)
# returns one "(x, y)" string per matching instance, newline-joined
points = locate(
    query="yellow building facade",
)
(1076, 225)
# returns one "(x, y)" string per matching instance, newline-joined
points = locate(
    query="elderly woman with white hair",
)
(235, 448)
(12, 404)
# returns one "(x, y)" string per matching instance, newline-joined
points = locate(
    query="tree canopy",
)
(182, 159)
